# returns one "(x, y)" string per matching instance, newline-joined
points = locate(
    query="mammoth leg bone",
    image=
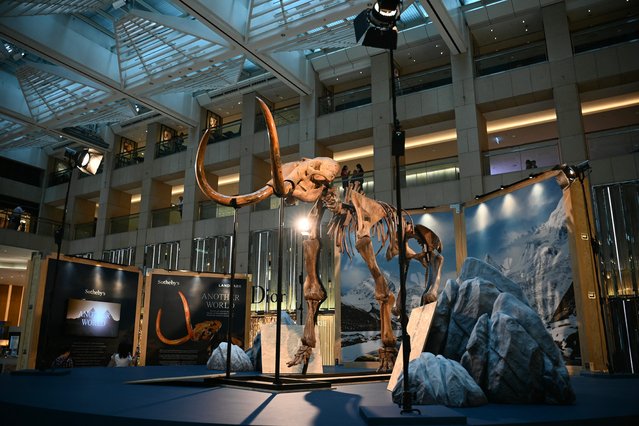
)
(314, 292)
(386, 299)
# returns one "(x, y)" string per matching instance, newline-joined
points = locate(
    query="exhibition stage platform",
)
(99, 396)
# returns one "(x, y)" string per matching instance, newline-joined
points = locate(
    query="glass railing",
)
(166, 216)
(129, 158)
(282, 117)
(514, 159)
(226, 131)
(345, 100)
(508, 59)
(429, 172)
(605, 35)
(31, 224)
(423, 80)
(211, 209)
(59, 177)
(84, 230)
(171, 146)
(123, 223)
(613, 142)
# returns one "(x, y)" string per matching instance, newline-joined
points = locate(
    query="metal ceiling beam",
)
(448, 18)
(82, 56)
(288, 68)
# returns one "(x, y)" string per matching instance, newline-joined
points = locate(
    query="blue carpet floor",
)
(104, 396)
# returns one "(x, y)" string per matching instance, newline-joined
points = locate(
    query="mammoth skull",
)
(303, 180)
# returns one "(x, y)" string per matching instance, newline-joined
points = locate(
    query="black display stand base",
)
(47, 372)
(430, 415)
(266, 382)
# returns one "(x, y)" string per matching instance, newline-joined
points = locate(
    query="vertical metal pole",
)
(231, 294)
(406, 396)
(278, 331)
(58, 236)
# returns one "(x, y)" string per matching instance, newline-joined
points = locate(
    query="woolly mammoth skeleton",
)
(310, 180)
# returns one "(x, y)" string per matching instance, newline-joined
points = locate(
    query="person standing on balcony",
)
(14, 219)
(346, 174)
(180, 204)
(358, 178)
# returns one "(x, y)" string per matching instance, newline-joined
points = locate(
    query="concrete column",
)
(472, 138)
(192, 196)
(383, 161)
(309, 111)
(572, 142)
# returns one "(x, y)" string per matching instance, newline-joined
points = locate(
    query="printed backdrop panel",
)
(188, 316)
(92, 308)
(524, 235)
(360, 311)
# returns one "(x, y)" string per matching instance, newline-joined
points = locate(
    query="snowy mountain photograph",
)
(360, 311)
(524, 235)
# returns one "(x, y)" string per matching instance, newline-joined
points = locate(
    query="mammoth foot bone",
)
(387, 357)
(302, 356)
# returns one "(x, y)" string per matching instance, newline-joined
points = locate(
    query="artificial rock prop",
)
(239, 360)
(484, 321)
(437, 380)
(255, 352)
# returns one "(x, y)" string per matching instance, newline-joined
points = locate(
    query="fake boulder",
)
(440, 381)
(239, 360)
(255, 352)
(486, 323)
(514, 359)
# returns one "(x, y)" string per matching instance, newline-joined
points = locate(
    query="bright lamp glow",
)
(303, 225)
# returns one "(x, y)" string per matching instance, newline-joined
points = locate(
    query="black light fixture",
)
(377, 25)
(575, 171)
(87, 160)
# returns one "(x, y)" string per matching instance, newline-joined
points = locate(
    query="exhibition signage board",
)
(186, 316)
(91, 307)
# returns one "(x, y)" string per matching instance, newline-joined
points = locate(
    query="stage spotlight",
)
(377, 24)
(87, 160)
(577, 170)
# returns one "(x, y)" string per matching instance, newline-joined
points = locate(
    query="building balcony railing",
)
(604, 35)
(129, 158)
(170, 146)
(59, 177)
(429, 172)
(226, 131)
(508, 59)
(84, 230)
(211, 209)
(424, 80)
(166, 216)
(613, 142)
(123, 223)
(282, 117)
(32, 224)
(522, 157)
(345, 100)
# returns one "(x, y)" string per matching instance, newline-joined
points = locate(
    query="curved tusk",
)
(187, 314)
(282, 189)
(164, 339)
(231, 201)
